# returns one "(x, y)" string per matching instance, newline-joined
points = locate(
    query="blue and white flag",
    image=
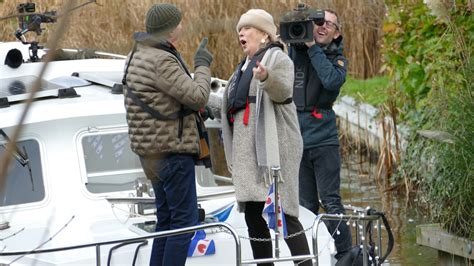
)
(200, 246)
(269, 213)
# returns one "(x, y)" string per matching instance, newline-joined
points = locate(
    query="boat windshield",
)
(20, 186)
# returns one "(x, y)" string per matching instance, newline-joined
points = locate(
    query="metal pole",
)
(315, 239)
(357, 232)
(275, 170)
(97, 255)
(379, 239)
(139, 188)
(364, 244)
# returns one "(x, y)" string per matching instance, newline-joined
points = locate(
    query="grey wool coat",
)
(271, 137)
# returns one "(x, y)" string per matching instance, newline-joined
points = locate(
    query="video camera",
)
(31, 21)
(297, 26)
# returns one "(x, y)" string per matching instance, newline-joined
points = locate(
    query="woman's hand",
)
(260, 72)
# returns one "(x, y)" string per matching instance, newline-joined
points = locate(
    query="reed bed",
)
(109, 25)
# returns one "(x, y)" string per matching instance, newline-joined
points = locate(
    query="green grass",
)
(373, 91)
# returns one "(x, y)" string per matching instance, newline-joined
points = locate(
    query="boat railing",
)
(137, 240)
(361, 221)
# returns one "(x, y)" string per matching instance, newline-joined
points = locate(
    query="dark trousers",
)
(176, 206)
(257, 228)
(320, 175)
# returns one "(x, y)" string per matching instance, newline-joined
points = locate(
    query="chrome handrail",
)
(233, 232)
(340, 217)
(151, 200)
(173, 232)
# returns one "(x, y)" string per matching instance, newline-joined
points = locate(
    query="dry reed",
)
(109, 25)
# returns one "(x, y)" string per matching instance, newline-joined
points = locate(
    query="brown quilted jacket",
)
(160, 81)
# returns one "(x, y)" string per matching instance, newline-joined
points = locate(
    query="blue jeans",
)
(173, 180)
(320, 175)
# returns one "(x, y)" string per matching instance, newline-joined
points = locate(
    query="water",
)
(359, 188)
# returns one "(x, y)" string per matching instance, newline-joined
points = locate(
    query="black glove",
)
(202, 57)
(206, 113)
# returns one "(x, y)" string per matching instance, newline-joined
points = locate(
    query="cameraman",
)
(320, 71)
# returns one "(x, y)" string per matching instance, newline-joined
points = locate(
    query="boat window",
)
(110, 163)
(20, 185)
(112, 166)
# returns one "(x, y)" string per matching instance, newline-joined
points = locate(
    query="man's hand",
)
(206, 113)
(260, 72)
(202, 57)
(309, 44)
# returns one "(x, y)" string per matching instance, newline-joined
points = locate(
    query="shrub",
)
(429, 58)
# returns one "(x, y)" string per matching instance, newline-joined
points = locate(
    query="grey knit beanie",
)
(162, 18)
(259, 19)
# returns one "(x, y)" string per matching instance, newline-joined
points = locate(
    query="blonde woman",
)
(260, 130)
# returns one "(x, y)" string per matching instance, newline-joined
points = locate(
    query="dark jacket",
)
(320, 73)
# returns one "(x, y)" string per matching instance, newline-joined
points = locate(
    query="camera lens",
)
(297, 31)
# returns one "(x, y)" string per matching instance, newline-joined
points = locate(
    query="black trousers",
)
(257, 228)
(320, 176)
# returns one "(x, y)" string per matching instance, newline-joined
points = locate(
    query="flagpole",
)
(275, 170)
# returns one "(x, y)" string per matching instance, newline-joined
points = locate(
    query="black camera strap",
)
(124, 78)
(298, 53)
(389, 233)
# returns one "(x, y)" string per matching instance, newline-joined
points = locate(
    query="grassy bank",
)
(373, 91)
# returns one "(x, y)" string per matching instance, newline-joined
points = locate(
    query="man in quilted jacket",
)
(162, 102)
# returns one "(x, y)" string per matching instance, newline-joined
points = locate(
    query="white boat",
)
(74, 183)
